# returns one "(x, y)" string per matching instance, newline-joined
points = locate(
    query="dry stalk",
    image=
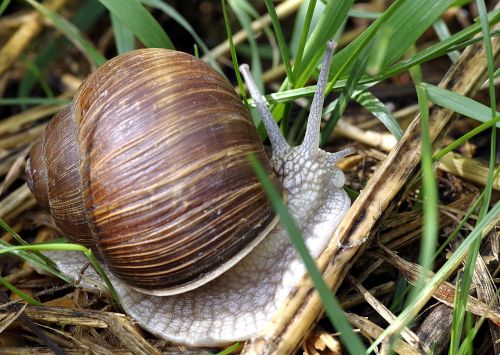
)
(10, 315)
(16, 140)
(347, 302)
(15, 199)
(408, 335)
(284, 332)
(445, 293)
(435, 330)
(320, 342)
(487, 293)
(453, 163)
(118, 324)
(24, 35)
(283, 10)
(407, 226)
(15, 123)
(372, 331)
(15, 170)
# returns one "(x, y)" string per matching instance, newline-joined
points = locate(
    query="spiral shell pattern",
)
(160, 153)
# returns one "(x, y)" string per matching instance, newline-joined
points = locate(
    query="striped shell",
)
(149, 166)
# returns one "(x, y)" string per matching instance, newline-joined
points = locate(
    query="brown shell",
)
(150, 164)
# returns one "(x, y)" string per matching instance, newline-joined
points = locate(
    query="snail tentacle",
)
(332, 158)
(311, 140)
(278, 142)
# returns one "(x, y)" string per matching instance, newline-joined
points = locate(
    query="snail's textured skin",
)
(239, 302)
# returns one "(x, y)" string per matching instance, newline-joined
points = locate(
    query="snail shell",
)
(149, 166)
(238, 304)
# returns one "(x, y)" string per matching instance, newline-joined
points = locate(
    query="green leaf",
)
(86, 15)
(71, 32)
(3, 6)
(177, 17)
(30, 300)
(40, 262)
(33, 101)
(443, 33)
(371, 15)
(240, 9)
(279, 36)
(65, 247)
(302, 28)
(142, 24)
(458, 103)
(379, 110)
(459, 141)
(461, 304)
(430, 225)
(346, 94)
(232, 50)
(333, 17)
(404, 25)
(458, 40)
(35, 72)
(230, 349)
(124, 38)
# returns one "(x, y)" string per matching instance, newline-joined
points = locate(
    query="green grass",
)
(332, 308)
(459, 312)
(387, 48)
(31, 253)
(142, 24)
(72, 33)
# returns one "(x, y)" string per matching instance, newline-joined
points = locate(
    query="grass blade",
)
(177, 17)
(458, 103)
(280, 38)
(27, 298)
(238, 7)
(453, 262)
(232, 349)
(458, 40)
(459, 141)
(459, 315)
(71, 32)
(332, 308)
(33, 101)
(232, 49)
(331, 21)
(66, 247)
(124, 38)
(88, 13)
(311, 6)
(3, 6)
(443, 33)
(430, 226)
(142, 24)
(379, 110)
(346, 94)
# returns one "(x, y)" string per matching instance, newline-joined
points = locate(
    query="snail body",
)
(239, 301)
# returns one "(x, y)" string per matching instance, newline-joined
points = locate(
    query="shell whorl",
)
(162, 142)
(54, 178)
(238, 304)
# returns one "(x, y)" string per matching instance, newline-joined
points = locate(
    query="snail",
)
(183, 171)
